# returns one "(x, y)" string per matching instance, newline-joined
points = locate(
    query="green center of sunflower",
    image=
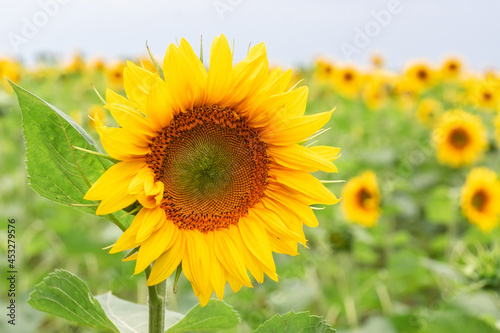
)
(479, 200)
(459, 138)
(213, 166)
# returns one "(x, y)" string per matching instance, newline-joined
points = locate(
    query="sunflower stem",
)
(157, 296)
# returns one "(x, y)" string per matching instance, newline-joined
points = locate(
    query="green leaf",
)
(293, 322)
(455, 321)
(64, 295)
(213, 316)
(440, 207)
(131, 317)
(56, 170)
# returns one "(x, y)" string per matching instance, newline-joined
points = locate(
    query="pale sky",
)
(295, 32)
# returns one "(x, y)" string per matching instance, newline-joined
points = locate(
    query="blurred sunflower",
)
(114, 75)
(213, 159)
(377, 60)
(361, 199)
(481, 197)
(10, 69)
(428, 111)
(420, 76)
(99, 65)
(348, 81)
(451, 68)
(484, 94)
(405, 93)
(76, 65)
(324, 70)
(375, 93)
(460, 138)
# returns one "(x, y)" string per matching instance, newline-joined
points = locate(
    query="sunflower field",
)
(394, 196)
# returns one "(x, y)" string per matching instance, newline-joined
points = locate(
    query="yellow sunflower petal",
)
(196, 263)
(298, 157)
(220, 71)
(327, 152)
(184, 79)
(247, 75)
(302, 210)
(155, 245)
(159, 105)
(129, 118)
(295, 130)
(150, 218)
(113, 97)
(218, 273)
(305, 183)
(293, 221)
(229, 254)
(127, 239)
(165, 265)
(283, 245)
(255, 238)
(120, 143)
(137, 82)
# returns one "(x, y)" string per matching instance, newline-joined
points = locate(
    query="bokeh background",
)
(423, 267)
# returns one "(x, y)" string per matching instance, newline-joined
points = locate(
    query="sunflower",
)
(451, 68)
(428, 111)
(324, 70)
(420, 75)
(460, 138)
(361, 199)
(114, 75)
(11, 69)
(377, 60)
(375, 93)
(348, 81)
(480, 198)
(212, 158)
(76, 65)
(99, 65)
(484, 94)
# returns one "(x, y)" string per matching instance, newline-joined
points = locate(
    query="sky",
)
(295, 32)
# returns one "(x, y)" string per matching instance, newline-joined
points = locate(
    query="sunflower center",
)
(487, 96)
(363, 195)
(213, 166)
(459, 138)
(422, 74)
(348, 76)
(479, 200)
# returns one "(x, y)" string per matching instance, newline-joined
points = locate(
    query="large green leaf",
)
(131, 317)
(212, 317)
(56, 170)
(455, 321)
(293, 322)
(63, 294)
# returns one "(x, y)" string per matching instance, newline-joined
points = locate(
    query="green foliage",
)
(63, 294)
(56, 170)
(454, 321)
(212, 317)
(131, 317)
(293, 322)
